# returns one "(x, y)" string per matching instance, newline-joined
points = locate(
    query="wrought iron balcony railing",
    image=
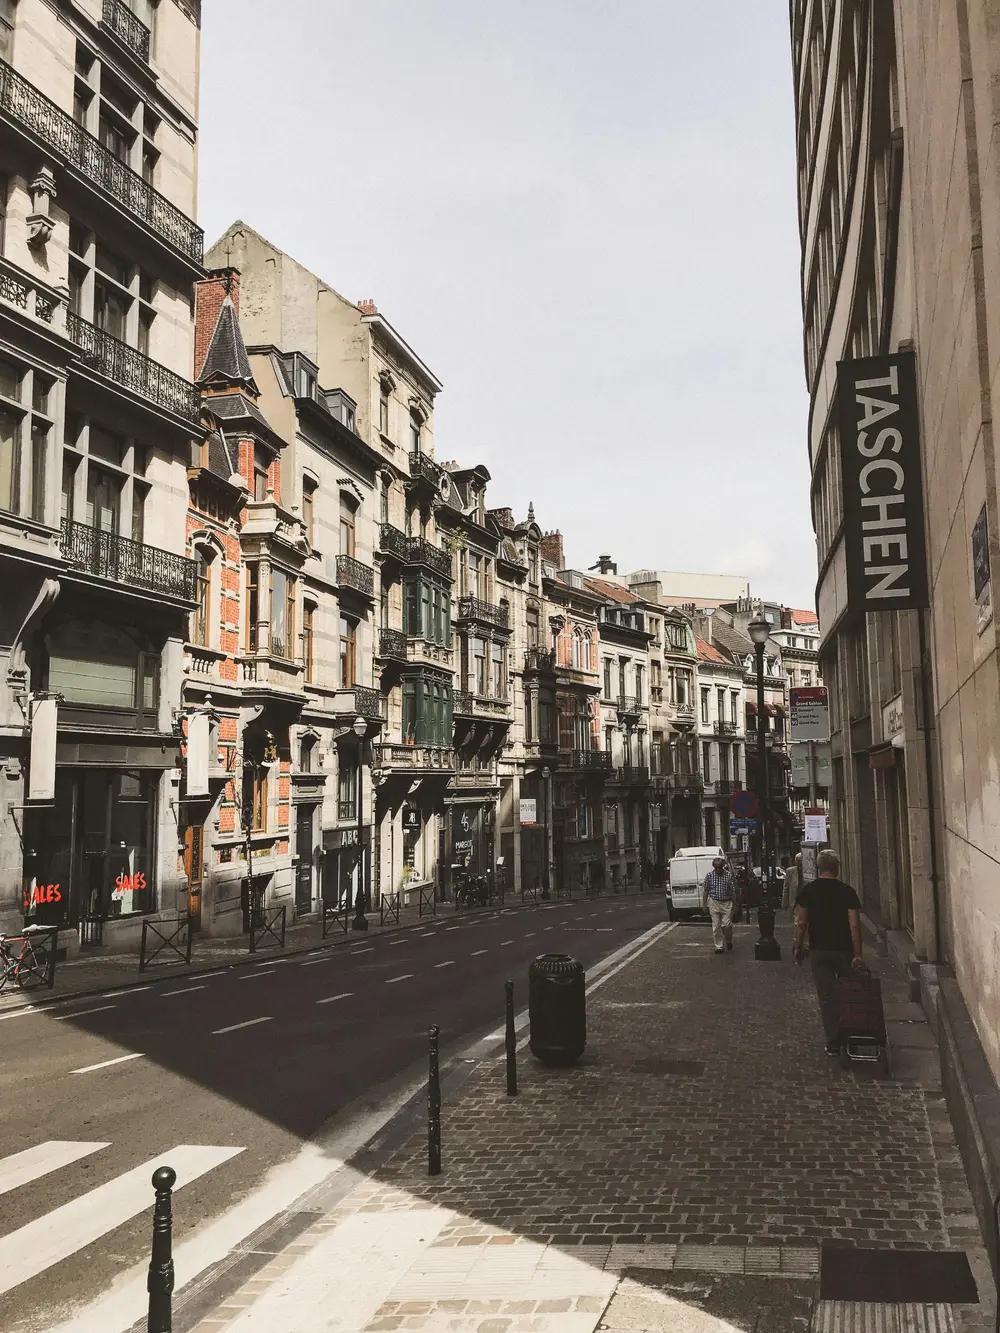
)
(392, 643)
(359, 699)
(413, 550)
(20, 289)
(462, 703)
(597, 759)
(634, 776)
(425, 468)
(117, 558)
(628, 703)
(22, 103)
(539, 659)
(474, 608)
(128, 367)
(352, 573)
(722, 728)
(127, 28)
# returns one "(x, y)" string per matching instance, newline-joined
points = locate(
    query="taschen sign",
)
(883, 494)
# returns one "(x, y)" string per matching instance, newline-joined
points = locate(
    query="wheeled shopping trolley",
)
(860, 1021)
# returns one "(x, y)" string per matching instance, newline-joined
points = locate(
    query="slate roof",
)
(226, 359)
(235, 407)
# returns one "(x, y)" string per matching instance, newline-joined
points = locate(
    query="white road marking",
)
(252, 976)
(56, 1235)
(449, 963)
(330, 999)
(503, 942)
(24, 1167)
(82, 1013)
(533, 934)
(393, 943)
(106, 1064)
(131, 990)
(391, 981)
(18, 1013)
(476, 952)
(313, 961)
(235, 1027)
(185, 990)
(548, 928)
(370, 949)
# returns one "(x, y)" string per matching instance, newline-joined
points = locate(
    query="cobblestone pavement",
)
(705, 1132)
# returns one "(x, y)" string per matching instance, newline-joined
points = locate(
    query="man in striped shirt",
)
(719, 892)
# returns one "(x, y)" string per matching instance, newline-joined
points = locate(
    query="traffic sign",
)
(737, 825)
(743, 804)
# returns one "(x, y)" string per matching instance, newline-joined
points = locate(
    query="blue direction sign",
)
(737, 825)
(743, 804)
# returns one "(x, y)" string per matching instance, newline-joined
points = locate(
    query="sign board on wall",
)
(883, 492)
(815, 828)
(809, 712)
(529, 811)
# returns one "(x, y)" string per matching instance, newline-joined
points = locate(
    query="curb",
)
(149, 977)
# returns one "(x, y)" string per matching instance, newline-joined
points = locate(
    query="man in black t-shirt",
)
(830, 911)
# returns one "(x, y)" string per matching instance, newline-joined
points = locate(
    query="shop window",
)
(102, 667)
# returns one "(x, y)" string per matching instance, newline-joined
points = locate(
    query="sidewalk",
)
(682, 1176)
(92, 971)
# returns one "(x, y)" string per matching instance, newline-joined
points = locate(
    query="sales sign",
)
(810, 712)
(883, 493)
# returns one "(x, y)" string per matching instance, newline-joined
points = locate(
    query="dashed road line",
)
(449, 963)
(82, 1013)
(235, 1027)
(476, 952)
(186, 990)
(106, 1064)
(345, 995)
(252, 976)
(391, 981)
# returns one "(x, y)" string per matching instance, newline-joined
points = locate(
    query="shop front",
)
(90, 856)
(346, 867)
(468, 838)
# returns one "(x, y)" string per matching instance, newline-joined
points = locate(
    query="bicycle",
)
(30, 966)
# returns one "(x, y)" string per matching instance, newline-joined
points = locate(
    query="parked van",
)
(687, 875)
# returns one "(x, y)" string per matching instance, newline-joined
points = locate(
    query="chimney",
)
(552, 549)
(209, 295)
(367, 307)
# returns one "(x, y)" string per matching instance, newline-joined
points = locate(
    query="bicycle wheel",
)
(5, 968)
(33, 967)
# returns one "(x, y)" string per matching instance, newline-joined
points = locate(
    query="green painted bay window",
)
(427, 609)
(427, 710)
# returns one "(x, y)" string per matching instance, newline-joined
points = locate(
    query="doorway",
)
(304, 851)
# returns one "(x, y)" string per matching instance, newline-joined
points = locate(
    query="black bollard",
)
(160, 1282)
(433, 1106)
(511, 1043)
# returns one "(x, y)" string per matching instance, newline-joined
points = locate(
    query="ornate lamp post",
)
(360, 922)
(547, 797)
(767, 948)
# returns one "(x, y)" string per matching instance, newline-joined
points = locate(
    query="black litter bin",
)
(557, 1008)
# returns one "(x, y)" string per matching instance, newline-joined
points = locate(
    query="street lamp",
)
(547, 798)
(360, 729)
(767, 948)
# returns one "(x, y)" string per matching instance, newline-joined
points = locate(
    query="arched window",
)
(581, 650)
(202, 626)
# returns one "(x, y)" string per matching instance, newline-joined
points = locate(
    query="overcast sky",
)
(581, 214)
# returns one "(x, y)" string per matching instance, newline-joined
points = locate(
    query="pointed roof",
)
(226, 361)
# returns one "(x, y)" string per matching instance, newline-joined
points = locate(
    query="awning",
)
(752, 709)
(882, 756)
(779, 710)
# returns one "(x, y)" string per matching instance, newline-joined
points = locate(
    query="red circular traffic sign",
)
(744, 805)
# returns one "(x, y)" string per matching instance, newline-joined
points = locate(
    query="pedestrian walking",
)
(792, 884)
(719, 891)
(830, 912)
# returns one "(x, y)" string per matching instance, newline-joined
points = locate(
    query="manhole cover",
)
(925, 1277)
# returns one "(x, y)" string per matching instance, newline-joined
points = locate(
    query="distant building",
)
(683, 589)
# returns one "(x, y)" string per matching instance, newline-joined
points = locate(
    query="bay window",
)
(427, 710)
(282, 614)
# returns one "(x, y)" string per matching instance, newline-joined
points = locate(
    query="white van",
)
(687, 875)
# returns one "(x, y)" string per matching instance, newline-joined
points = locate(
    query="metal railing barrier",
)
(155, 941)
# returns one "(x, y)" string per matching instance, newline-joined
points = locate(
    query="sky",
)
(581, 215)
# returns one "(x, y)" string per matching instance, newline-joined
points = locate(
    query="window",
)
(499, 671)
(6, 28)
(104, 499)
(638, 681)
(736, 764)
(384, 500)
(581, 725)
(255, 796)
(261, 463)
(807, 678)
(621, 676)
(282, 614)
(427, 711)
(529, 720)
(414, 435)
(533, 627)
(546, 721)
(706, 760)
(104, 666)
(683, 684)
(203, 596)
(609, 740)
(608, 692)
(308, 611)
(307, 753)
(308, 508)
(347, 787)
(348, 652)
(724, 762)
(427, 610)
(69, 468)
(383, 410)
(480, 681)
(476, 579)
(348, 507)
(733, 705)
(655, 683)
(656, 751)
(579, 649)
(720, 700)
(253, 608)
(704, 703)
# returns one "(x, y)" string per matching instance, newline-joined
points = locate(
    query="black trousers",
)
(826, 967)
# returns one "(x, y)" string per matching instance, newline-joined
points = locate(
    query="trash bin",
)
(557, 1008)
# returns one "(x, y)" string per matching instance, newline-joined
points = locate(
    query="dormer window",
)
(305, 379)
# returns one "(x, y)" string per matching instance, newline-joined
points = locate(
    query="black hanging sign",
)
(883, 493)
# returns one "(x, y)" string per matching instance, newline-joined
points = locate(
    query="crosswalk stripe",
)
(55, 1236)
(23, 1167)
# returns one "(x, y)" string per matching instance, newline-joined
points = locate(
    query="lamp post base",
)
(359, 923)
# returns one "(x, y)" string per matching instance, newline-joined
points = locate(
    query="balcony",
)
(413, 550)
(467, 704)
(20, 289)
(109, 556)
(629, 705)
(540, 659)
(129, 30)
(415, 757)
(61, 136)
(474, 608)
(425, 469)
(392, 644)
(353, 574)
(599, 760)
(359, 700)
(633, 777)
(721, 728)
(723, 786)
(127, 367)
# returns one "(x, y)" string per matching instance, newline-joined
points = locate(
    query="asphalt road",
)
(256, 1058)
